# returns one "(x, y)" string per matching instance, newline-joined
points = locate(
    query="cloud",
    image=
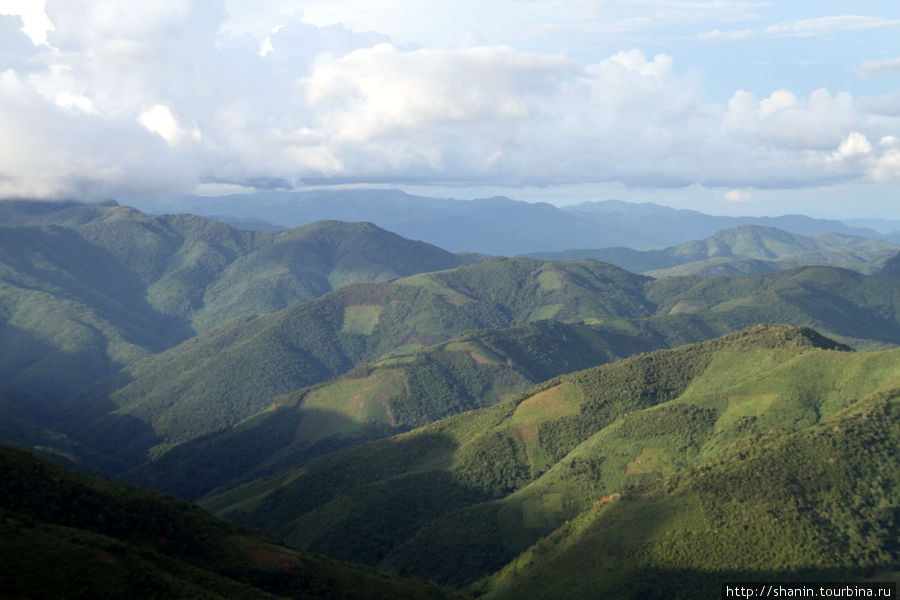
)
(887, 105)
(823, 25)
(872, 67)
(51, 151)
(886, 168)
(802, 28)
(718, 34)
(35, 23)
(160, 120)
(737, 196)
(160, 98)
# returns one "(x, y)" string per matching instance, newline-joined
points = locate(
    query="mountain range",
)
(481, 422)
(670, 445)
(496, 226)
(744, 250)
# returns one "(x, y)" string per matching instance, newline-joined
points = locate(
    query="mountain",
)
(860, 310)
(232, 371)
(63, 535)
(782, 506)
(884, 226)
(891, 267)
(743, 250)
(497, 226)
(394, 394)
(664, 223)
(87, 289)
(674, 446)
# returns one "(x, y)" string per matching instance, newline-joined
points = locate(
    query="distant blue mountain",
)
(499, 225)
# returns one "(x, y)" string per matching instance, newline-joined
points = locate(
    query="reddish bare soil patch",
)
(271, 559)
(528, 433)
(105, 557)
(479, 358)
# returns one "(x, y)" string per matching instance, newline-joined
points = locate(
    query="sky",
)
(729, 107)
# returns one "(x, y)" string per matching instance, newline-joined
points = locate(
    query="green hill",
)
(818, 504)
(394, 394)
(86, 290)
(456, 500)
(233, 371)
(238, 369)
(891, 268)
(860, 310)
(744, 250)
(66, 536)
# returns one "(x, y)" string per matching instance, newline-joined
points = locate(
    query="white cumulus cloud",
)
(160, 97)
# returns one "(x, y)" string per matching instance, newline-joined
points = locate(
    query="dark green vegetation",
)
(744, 250)
(66, 536)
(768, 452)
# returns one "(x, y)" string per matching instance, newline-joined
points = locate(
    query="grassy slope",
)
(891, 267)
(810, 504)
(66, 536)
(500, 478)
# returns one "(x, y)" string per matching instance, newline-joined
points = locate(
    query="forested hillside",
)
(460, 418)
(66, 536)
(237, 369)
(88, 289)
(458, 499)
(397, 393)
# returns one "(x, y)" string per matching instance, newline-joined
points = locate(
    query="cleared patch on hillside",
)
(559, 401)
(434, 284)
(476, 352)
(361, 318)
(266, 555)
(650, 460)
(683, 307)
(342, 407)
(550, 280)
(743, 406)
(391, 360)
(547, 311)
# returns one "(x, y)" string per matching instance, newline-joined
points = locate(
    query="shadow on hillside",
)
(258, 447)
(47, 374)
(37, 380)
(358, 503)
